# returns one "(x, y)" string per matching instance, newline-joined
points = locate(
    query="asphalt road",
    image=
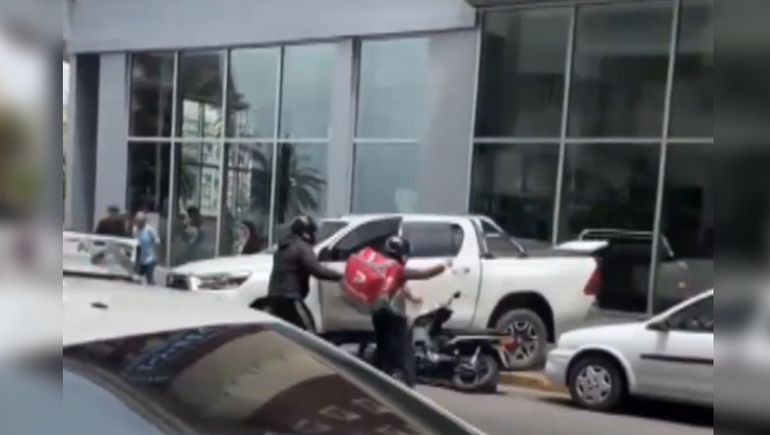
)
(525, 412)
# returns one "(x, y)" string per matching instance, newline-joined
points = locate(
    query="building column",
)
(112, 133)
(340, 148)
(445, 149)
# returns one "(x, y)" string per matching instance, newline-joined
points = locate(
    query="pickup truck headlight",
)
(219, 281)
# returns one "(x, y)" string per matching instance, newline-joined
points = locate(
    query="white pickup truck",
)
(535, 298)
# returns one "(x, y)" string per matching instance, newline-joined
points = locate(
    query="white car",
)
(151, 361)
(670, 356)
(534, 296)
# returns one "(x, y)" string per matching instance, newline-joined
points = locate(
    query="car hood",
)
(597, 335)
(252, 263)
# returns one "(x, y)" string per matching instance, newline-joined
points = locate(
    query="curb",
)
(531, 381)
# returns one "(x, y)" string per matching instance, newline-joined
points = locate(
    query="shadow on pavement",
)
(664, 411)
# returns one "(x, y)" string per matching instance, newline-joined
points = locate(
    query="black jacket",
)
(293, 264)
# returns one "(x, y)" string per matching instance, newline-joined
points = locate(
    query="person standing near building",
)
(147, 245)
(294, 262)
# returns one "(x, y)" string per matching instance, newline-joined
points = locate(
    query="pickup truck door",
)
(434, 242)
(336, 313)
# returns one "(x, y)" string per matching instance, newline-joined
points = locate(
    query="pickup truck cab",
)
(535, 298)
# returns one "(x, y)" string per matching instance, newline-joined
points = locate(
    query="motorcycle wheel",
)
(481, 379)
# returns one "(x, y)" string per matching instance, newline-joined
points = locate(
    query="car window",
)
(328, 229)
(498, 243)
(696, 317)
(255, 379)
(369, 235)
(433, 239)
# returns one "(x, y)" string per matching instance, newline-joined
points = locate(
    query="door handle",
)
(461, 270)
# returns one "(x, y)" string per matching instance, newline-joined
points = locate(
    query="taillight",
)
(594, 284)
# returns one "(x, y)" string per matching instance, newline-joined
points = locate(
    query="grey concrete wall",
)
(445, 151)
(111, 133)
(117, 25)
(81, 164)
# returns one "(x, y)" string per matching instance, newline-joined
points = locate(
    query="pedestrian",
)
(294, 262)
(114, 224)
(395, 353)
(252, 242)
(147, 244)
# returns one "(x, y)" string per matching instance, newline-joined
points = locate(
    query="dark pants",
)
(147, 271)
(290, 310)
(395, 353)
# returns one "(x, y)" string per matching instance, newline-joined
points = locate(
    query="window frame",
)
(333, 252)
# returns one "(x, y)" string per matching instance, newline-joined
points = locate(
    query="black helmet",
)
(304, 226)
(398, 248)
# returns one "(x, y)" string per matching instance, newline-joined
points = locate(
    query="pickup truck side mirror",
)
(660, 326)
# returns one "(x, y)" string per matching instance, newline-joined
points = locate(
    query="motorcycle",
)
(467, 361)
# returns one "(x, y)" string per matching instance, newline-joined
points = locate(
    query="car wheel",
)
(530, 338)
(483, 378)
(596, 383)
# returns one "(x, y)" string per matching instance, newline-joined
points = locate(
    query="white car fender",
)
(618, 356)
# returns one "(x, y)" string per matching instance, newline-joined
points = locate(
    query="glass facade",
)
(594, 120)
(391, 86)
(575, 124)
(243, 136)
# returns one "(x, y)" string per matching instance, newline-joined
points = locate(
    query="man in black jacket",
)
(294, 262)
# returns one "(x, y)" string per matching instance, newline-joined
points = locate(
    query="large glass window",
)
(609, 194)
(196, 206)
(687, 225)
(620, 69)
(246, 218)
(149, 167)
(516, 185)
(393, 75)
(152, 84)
(385, 178)
(306, 91)
(200, 93)
(521, 85)
(301, 180)
(251, 98)
(692, 108)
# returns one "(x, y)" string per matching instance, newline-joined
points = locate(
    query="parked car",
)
(670, 356)
(91, 254)
(151, 361)
(503, 287)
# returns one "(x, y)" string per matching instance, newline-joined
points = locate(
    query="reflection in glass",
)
(692, 106)
(148, 186)
(516, 185)
(620, 67)
(687, 224)
(251, 96)
(609, 192)
(391, 90)
(306, 91)
(245, 221)
(301, 181)
(200, 94)
(197, 185)
(385, 178)
(152, 82)
(521, 84)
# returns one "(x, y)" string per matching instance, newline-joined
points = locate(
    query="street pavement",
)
(517, 411)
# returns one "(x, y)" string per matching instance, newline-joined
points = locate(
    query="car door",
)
(677, 357)
(435, 242)
(336, 313)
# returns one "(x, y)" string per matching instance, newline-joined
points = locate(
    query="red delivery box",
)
(371, 279)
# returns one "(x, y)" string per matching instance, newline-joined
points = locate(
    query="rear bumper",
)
(557, 364)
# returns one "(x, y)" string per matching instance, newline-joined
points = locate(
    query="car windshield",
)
(245, 379)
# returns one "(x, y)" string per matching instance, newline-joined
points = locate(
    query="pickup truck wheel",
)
(530, 338)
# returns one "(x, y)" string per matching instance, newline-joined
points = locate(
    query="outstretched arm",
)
(424, 274)
(310, 261)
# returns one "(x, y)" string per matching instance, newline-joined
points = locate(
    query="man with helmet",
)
(391, 327)
(294, 262)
